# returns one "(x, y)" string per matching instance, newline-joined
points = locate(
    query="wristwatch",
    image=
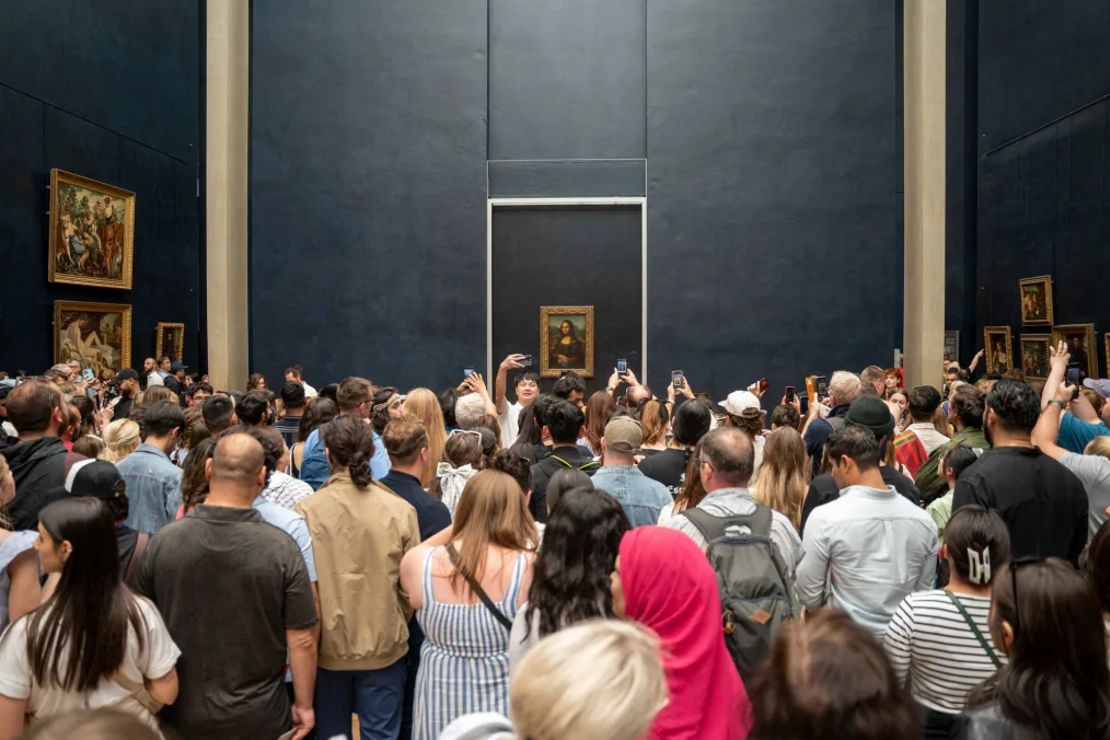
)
(1063, 406)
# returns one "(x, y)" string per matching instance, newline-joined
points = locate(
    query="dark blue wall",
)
(770, 127)
(109, 90)
(1044, 137)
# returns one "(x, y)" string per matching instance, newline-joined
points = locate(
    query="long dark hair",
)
(320, 411)
(350, 445)
(84, 624)
(1057, 682)
(194, 485)
(570, 581)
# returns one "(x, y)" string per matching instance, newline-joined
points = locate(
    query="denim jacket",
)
(153, 488)
(640, 496)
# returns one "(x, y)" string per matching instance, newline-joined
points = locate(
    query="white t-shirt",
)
(158, 656)
(154, 378)
(309, 391)
(508, 422)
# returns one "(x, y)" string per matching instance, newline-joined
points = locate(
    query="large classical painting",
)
(567, 337)
(1036, 300)
(1081, 345)
(1034, 355)
(92, 232)
(170, 340)
(1000, 349)
(98, 335)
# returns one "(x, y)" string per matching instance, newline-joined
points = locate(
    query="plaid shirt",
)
(285, 490)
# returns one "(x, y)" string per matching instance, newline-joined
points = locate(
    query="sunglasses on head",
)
(465, 431)
(1014, 565)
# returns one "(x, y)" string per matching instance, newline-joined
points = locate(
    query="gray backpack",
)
(756, 594)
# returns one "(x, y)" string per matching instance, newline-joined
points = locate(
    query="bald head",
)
(237, 469)
(730, 456)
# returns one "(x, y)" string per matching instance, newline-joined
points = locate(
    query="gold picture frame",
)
(1081, 345)
(98, 335)
(92, 232)
(169, 339)
(1034, 355)
(999, 346)
(578, 350)
(1035, 294)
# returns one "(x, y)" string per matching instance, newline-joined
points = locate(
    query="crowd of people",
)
(867, 561)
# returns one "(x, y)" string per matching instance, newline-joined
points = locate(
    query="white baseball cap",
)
(739, 401)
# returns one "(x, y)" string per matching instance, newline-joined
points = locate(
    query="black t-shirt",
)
(561, 458)
(122, 410)
(668, 467)
(823, 489)
(432, 516)
(228, 586)
(1042, 502)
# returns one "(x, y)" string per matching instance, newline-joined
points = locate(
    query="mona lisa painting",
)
(567, 338)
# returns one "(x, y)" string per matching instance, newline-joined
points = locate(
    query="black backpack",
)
(588, 467)
(756, 595)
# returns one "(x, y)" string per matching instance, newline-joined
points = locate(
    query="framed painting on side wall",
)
(999, 348)
(1081, 345)
(1036, 300)
(92, 232)
(567, 340)
(1034, 355)
(170, 340)
(98, 335)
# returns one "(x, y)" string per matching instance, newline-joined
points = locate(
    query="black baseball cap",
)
(97, 478)
(128, 373)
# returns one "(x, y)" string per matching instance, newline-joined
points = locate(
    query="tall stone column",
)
(226, 144)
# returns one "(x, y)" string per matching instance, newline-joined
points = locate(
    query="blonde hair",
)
(653, 422)
(491, 512)
(597, 679)
(121, 437)
(156, 393)
(1098, 446)
(423, 404)
(781, 481)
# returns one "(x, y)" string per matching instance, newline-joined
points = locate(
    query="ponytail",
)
(350, 444)
(978, 544)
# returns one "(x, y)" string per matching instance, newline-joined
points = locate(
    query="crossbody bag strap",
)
(974, 629)
(133, 565)
(499, 615)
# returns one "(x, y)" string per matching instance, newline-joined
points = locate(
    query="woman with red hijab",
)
(664, 581)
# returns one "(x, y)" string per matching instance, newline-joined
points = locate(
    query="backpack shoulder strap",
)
(714, 527)
(561, 461)
(133, 565)
(589, 465)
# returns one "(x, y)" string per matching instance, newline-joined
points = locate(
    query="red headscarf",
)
(670, 588)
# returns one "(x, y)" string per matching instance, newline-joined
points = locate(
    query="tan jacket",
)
(358, 539)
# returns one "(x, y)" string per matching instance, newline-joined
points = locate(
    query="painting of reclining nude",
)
(92, 229)
(98, 335)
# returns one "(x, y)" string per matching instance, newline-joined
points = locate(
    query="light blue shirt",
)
(314, 462)
(864, 553)
(640, 497)
(153, 488)
(292, 523)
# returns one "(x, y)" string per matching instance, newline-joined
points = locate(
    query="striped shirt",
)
(929, 642)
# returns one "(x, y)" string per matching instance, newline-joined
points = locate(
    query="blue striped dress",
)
(464, 663)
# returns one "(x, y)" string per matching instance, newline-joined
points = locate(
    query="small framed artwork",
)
(1081, 345)
(1036, 300)
(999, 346)
(92, 232)
(1034, 355)
(952, 345)
(98, 335)
(170, 340)
(567, 337)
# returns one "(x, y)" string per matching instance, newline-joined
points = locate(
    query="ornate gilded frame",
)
(177, 351)
(125, 326)
(546, 312)
(124, 281)
(1046, 282)
(990, 331)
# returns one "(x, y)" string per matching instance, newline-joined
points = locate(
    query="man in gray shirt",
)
(1092, 468)
(725, 467)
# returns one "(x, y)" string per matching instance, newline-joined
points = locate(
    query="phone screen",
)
(1073, 378)
(678, 378)
(468, 372)
(622, 365)
(87, 374)
(822, 389)
(790, 391)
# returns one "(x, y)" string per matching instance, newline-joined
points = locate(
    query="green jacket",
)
(930, 483)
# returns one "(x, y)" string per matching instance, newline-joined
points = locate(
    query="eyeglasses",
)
(465, 431)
